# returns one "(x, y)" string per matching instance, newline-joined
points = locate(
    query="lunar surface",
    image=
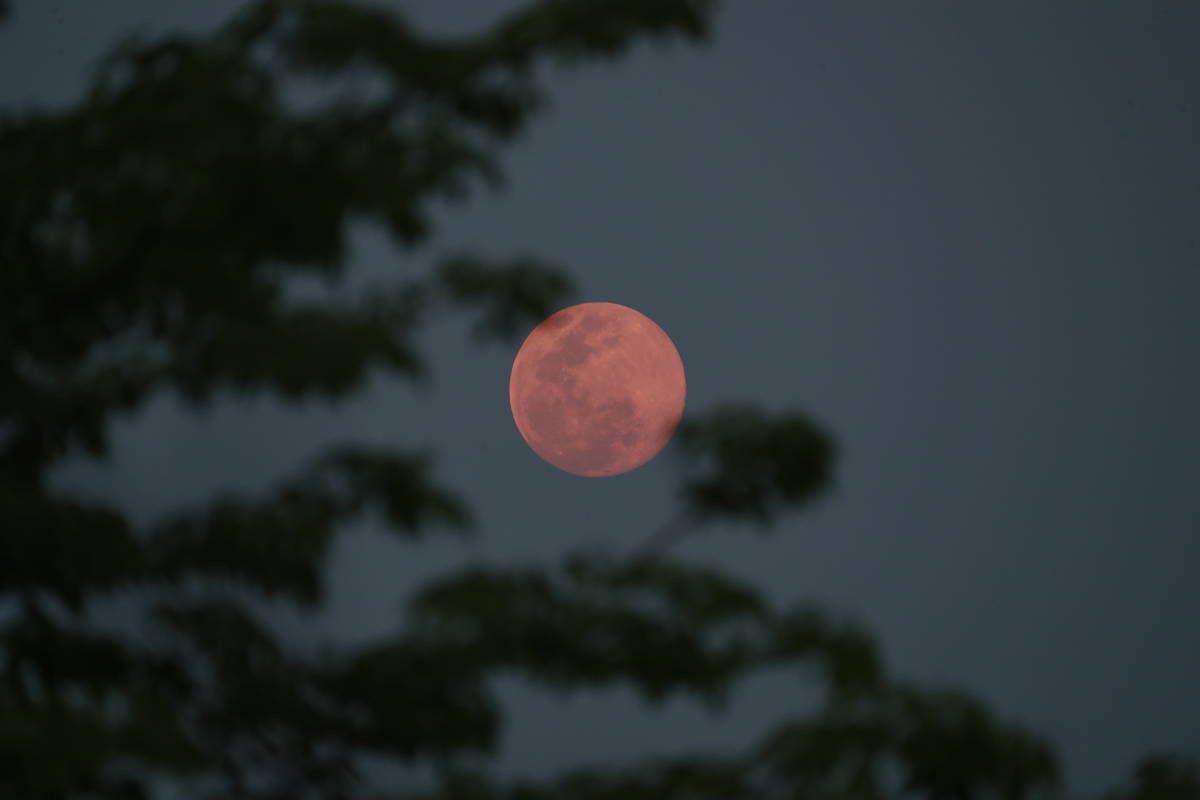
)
(597, 389)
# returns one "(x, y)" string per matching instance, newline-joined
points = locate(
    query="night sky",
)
(962, 236)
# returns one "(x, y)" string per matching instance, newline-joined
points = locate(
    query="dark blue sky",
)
(961, 235)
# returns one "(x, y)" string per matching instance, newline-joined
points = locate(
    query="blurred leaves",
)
(224, 633)
(743, 463)
(44, 658)
(414, 698)
(574, 30)
(700, 777)
(397, 484)
(278, 543)
(1162, 776)
(63, 546)
(852, 662)
(75, 701)
(52, 750)
(303, 351)
(150, 237)
(511, 296)
(869, 751)
(662, 626)
(938, 744)
(952, 746)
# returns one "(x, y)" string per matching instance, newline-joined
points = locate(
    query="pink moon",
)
(597, 389)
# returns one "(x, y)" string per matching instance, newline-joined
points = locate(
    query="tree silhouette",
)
(148, 235)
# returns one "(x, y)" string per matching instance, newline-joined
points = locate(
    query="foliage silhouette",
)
(1162, 776)
(148, 237)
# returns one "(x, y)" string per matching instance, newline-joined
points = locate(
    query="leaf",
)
(152, 733)
(224, 633)
(63, 546)
(277, 543)
(829, 756)
(949, 742)
(847, 654)
(412, 699)
(300, 352)
(565, 635)
(49, 750)
(743, 463)
(45, 750)
(398, 485)
(1162, 776)
(699, 595)
(659, 626)
(511, 296)
(575, 30)
(56, 659)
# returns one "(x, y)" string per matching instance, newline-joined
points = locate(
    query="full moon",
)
(597, 389)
